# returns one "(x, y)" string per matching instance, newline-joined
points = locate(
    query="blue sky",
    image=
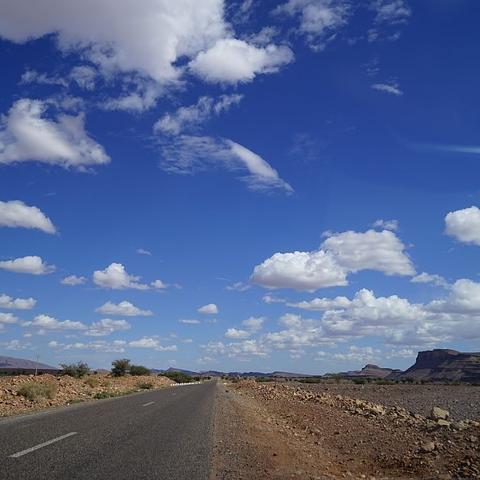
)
(306, 170)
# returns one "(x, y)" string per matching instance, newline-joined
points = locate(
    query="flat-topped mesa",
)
(445, 365)
(371, 370)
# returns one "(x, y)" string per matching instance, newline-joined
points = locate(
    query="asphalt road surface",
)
(164, 434)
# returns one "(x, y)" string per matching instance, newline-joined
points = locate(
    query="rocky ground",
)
(462, 401)
(274, 430)
(65, 390)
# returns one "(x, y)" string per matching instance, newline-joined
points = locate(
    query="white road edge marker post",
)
(41, 445)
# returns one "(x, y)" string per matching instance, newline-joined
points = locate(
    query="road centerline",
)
(41, 445)
(148, 404)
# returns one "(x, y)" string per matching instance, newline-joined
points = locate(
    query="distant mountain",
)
(216, 373)
(444, 365)
(11, 363)
(375, 371)
(368, 371)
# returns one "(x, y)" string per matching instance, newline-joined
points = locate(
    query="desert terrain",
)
(278, 430)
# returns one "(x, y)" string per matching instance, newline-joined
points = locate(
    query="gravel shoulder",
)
(247, 444)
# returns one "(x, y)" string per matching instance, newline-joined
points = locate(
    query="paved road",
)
(165, 434)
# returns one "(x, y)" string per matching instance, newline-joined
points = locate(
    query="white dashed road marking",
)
(41, 445)
(147, 404)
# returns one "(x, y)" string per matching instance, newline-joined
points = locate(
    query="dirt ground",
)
(274, 431)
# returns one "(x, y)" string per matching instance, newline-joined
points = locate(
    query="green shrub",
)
(104, 394)
(76, 370)
(178, 377)
(92, 381)
(144, 385)
(139, 370)
(120, 367)
(359, 381)
(34, 390)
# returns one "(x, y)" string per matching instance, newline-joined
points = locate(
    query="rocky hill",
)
(11, 364)
(444, 365)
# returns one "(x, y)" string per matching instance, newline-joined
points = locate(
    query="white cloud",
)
(187, 154)
(106, 326)
(73, 280)
(464, 297)
(386, 224)
(189, 321)
(32, 265)
(381, 251)
(148, 46)
(186, 118)
(116, 277)
(361, 355)
(16, 345)
(32, 76)
(7, 318)
(209, 309)
(142, 251)
(319, 19)
(16, 303)
(27, 135)
(16, 214)
(262, 175)
(254, 324)
(300, 270)
(233, 61)
(322, 304)
(126, 37)
(159, 285)
(391, 11)
(153, 343)
(240, 350)
(339, 255)
(464, 225)
(84, 76)
(142, 97)
(236, 333)
(123, 309)
(391, 88)
(272, 299)
(238, 287)
(425, 277)
(47, 322)
(117, 346)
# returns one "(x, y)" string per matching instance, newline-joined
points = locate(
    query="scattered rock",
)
(427, 447)
(443, 423)
(438, 413)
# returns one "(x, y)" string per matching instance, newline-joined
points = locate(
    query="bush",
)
(34, 390)
(92, 381)
(178, 377)
(144, 385)
(359, 381)
(139, 370)
(120, 367)
(100, 395)
(76, 370)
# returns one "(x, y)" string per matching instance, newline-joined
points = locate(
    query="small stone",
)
(427, 447)
(438, 413)
(443, 423)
